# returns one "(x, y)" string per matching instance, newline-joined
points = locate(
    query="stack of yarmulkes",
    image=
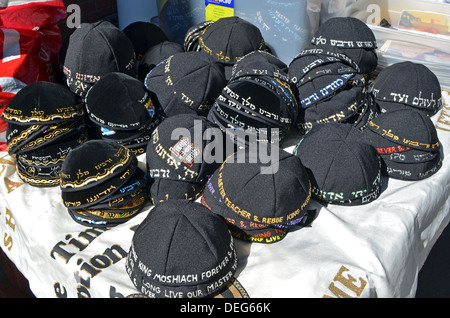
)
(92, 51)
(227, 40)
(344, 168)
(260, 202)
(408, 85)
(408, 143)
(260, 63)
(186, 82)
(120, 108)
(102, 185)
(182, 250)
(45, 122)
(330, 91)
(258, 104)
(348, 36)
(178, 159)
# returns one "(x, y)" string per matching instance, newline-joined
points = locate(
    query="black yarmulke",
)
(119, 101)
(40, 166)
(330, 90)
(92, 51)
(408, 143)
(261, 202)
(412, 171)
(407, 127)
(179, 165)
(144, 35)
(263, 107)
(56, 151)
(311, 72)
(229, 39)
(102, 184)
(120, 108)
(155, 55)
(117, 208)
(43, 103)
(94, 161)
(186, 82)
(350, 36)
(23, 139)
(260, 63)
(192, 35)
(344, 168)
(45, 121)
(95, 170)
(407, 84)
(182, 250)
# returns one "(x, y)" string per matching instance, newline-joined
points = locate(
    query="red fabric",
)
(30, 41)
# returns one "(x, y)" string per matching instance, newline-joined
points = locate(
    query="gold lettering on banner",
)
(443, 122)
(6, 161)
(10, 185)
(9, 221)
(349, 284)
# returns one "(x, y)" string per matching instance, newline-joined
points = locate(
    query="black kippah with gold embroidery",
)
(45, 122)
(102, 185)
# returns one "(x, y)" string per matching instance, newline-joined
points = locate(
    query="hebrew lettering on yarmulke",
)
(408, 85)
(344, 168)
(260, 202)
(92, 51)
(351, 37)
(186, 82)
(180, 163)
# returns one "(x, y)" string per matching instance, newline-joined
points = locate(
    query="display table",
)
(374, 250)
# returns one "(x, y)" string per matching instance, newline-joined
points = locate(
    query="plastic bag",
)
(30, 40)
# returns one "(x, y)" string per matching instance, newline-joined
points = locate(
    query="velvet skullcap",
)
(180, 160)
(260, 63)
(43, 103)
(344, 168)
(155, 55)
(144, 35)
(408, 143)
(92, 51)
(94, 171)
(57, 150)
(192, 35)
(395, 168)
(345, 105)
(25, 138)
(228, 39)
(330, 90)
(120, 108)
(186, 82)
(262, 106)
(182, 250)
(311, 72)
(350, 36)
(407, 127)
(261, 202)
(408, 84)
(121, 102)
(42, 167)
(118, 207)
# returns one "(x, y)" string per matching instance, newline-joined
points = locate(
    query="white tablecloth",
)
(375, 250)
